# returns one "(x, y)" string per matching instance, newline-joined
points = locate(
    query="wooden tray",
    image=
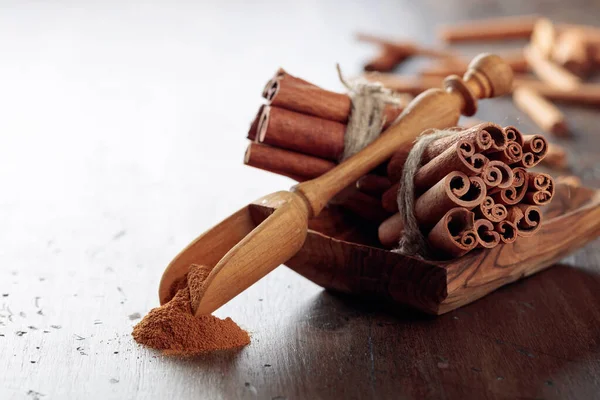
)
(337, 255)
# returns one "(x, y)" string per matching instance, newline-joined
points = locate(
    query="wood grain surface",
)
(123, 132)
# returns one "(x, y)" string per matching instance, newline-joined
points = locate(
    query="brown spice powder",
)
(174, 329)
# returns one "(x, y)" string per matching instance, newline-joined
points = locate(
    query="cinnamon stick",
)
(405, 48)
(540, 189)
(487, 237)
(374, 185)
(294, 165)
(390, 230)
(545, 114)
(535, 148)
(484, 135)
(508, 231)
(490, 210)
(254, 125)
(586, 93)
(550, 72)
(455, 189)
(527, 218)
(312, 100)
(512, 154)
(361, 204)
(572, 52)
(543, 37)
(514, 193)
(301, 133)
(513, 135)
(454, 235)
(385, 61)
(518, 27)
(497, 174)
(461, 156)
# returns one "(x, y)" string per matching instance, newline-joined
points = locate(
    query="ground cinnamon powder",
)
(174, 329)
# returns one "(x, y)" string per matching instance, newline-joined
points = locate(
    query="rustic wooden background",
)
(122, 127)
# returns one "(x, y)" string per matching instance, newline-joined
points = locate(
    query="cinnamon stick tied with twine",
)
(507, 186)
(294, 94)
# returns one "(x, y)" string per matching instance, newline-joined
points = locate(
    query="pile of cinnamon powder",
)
(174, 329)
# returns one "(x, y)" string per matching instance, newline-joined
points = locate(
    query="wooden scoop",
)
(240, 253)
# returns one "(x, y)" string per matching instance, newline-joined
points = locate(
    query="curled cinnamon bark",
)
(454, 235)
(252, 132)
(551, 73)
(545, 114)
(455, 189)
(312, 100)
(516, 192)
(512, 154)
(396, 164)
(287, 163)
(490, 210)
(519, 27)
(527, 219)
(374, 185)
(497, 174)
(301, 133)
(507, 230)
(487, 237)
(390, 230)
(572, 52)
(513, 135)
(458, 157)
(534, 150)
(540, 191)
(385, 61)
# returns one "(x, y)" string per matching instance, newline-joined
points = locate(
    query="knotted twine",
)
(413, 242)
(364, 126)
(367, 113)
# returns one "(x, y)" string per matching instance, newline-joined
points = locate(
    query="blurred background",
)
(123, 127)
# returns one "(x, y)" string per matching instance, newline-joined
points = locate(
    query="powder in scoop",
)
(174, 329)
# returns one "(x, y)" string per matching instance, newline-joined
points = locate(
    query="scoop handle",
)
(487, 76)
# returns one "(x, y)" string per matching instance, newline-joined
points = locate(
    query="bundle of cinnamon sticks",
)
(473, 189)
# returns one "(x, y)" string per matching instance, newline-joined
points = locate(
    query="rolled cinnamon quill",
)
(491, 211)
(486, 236)
(393, 52)
(513, 135)
(518, 27)
(455, 190)
(297, 166)
(527, 219)
(586, 93)
(461, 156)
(514, 193)
(507, 230)
(312, 100)
(540, 189)
(550, 72)
(374, 185)
(572, 52)
(301, 133)
(543, 37)
(497, 174)
(535, 148)
(545, 114)
(454, 235)
(512, 154)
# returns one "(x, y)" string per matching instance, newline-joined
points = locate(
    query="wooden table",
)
(122, 139)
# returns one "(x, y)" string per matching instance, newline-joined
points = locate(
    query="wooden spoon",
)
(241, 253)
